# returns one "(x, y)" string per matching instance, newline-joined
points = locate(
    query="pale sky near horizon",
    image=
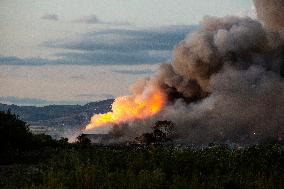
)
(41, 41)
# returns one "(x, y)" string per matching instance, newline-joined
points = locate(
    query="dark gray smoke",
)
(225, 81)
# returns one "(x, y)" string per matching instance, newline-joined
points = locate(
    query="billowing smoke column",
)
(224, 83)
(271, 12)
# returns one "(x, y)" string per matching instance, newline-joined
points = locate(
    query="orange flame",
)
(128, 108)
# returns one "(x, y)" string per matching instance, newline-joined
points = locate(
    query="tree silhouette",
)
(14, 133)
(162, 132)
(83, 141)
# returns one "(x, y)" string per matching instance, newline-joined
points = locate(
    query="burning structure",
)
(223, 84)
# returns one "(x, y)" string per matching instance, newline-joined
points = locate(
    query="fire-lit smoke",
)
(127, 108)
(224, 84)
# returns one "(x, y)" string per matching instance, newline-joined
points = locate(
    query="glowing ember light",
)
(128, 108)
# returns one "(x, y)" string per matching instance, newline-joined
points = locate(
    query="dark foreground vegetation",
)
(37, 161)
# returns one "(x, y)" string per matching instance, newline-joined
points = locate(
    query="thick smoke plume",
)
(224, 83)
(270, 12)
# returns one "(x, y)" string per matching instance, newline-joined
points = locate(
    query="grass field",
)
(144, 167)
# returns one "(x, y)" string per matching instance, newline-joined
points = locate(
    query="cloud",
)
(164, 38)
(22, 101)
(91, 95)
(13, 60)
(105, 57)
(53, 17)
(135, 72)
(77, 77)
(93, 19)
(122, 46)
(111, 47)
(87, 58)
(34, 101)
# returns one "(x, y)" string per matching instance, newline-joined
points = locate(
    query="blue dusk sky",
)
(74, 52)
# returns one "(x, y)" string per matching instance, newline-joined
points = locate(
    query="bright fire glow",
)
(130, 108)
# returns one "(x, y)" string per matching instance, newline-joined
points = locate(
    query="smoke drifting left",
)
(224, 84)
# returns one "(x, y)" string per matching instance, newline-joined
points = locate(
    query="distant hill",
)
(59, 116)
